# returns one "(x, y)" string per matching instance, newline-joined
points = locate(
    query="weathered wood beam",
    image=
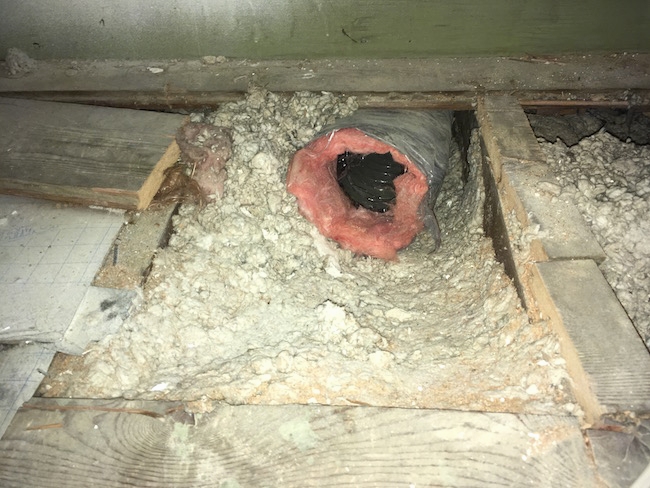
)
(119, 443)
(89, 155)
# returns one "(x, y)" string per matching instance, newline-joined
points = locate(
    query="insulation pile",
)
(205, 149)
(250, 304)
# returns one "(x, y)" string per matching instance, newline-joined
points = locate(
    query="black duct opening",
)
(368, 179)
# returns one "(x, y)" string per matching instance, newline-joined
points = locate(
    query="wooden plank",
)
(137, 444)
(606, 358)
(556, 275)
(521, 175)
(496, 228)
(511, 135)
(160, 100)
(623, 76)
(89, 155)
(129, 262)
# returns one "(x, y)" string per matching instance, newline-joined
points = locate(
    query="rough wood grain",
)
(161, 100)
(129, 262)
(512, 136)
(607, 359)
(89, 155)
(289, 445)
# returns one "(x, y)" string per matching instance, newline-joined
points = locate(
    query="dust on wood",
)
(128, 264)
(83, 154)
(103, 444)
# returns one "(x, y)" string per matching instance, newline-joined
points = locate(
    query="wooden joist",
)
(557, 274)
(435, 82)
(117, 443)
(82, 154)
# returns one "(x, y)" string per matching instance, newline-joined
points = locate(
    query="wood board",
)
(135, 247)
(607, 359)
(117, 443)
(557, 275)
(564, 79)
(82, 154)
(520, 170)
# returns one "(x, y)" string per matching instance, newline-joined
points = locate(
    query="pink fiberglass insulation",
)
(312, 179)
(418, 140)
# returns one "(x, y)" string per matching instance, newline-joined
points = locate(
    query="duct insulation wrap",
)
(418, 140)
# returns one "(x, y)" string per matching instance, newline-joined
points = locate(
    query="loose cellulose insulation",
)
(609, 181)
(250, 304)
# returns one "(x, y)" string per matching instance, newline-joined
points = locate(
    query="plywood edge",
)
(102, 197)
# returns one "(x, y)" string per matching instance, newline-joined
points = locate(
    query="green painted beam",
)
(295, 29)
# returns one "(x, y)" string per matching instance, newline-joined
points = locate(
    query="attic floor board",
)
(90, 155)
(444, 82)
(313, 445)
(120, 443)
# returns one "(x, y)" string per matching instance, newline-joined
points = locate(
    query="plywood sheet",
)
(22, 367)
(48, 258)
